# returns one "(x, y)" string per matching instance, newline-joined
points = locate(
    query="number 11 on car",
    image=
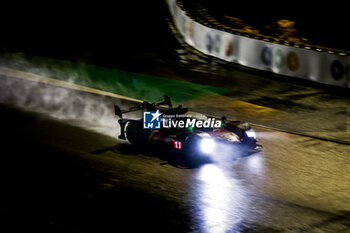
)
(178, 145)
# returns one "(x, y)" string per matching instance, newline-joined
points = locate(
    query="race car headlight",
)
(207, 145)
(250, 133)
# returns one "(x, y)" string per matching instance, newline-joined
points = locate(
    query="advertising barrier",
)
(322, 67)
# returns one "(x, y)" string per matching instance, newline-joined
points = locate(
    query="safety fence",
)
(306, 63)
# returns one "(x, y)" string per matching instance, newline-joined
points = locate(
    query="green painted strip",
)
(134, 85)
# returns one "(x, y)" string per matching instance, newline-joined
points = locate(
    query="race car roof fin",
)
(167, 101)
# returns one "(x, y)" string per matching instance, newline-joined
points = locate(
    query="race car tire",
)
(132, 132)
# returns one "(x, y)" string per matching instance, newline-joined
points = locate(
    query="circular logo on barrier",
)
(228, 47)
(292, 61)
(217, 43)
(209, 42)
(337, 70)
(266, 56)
(279, 59)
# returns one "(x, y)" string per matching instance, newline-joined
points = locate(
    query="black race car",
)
(229, 137)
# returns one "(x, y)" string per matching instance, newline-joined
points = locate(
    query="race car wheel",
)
(132, 133)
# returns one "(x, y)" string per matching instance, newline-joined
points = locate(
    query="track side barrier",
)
(305, 63)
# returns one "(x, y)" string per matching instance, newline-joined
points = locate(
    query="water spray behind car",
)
(78, 108)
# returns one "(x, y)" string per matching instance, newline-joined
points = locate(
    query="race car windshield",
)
(195, 115)
(244, 126)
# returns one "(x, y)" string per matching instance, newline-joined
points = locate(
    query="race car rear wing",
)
(145, 105)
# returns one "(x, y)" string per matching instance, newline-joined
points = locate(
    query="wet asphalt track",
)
(64, 174)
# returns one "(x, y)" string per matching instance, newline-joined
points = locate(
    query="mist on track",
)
(76, 107)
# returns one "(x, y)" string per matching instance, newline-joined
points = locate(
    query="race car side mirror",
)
(117, 111)
(223, 119)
